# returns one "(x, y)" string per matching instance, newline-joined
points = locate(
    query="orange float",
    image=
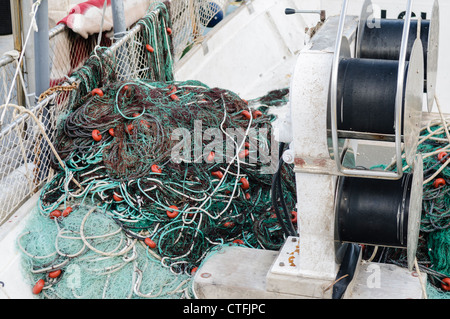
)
(172, 212)
(96, 135)
(38, 286)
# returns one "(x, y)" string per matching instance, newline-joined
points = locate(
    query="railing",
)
(28, 132)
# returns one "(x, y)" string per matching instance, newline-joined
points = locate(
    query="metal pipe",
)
(29, 52)
(118, 13)
(16, 18)
(120, 28)
(41, 49)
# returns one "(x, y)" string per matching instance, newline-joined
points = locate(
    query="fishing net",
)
(156, 174)
(433, 253)
(87, 255)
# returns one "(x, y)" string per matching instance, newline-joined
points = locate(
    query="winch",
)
(361, 82)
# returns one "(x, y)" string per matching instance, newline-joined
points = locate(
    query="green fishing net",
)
(156, 174)
(95, 260)
(434, 236)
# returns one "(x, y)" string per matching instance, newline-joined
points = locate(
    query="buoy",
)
(446, 284)
(55, 214)
(257, 114)
(211, 156)
(145, 123)
(38, 286)
(111, 131)
(441, 157)
(294, 216)
(194, 270)
(174, 97)
(245, 185)
(228, 224)
(149, 48)
(54, 274)
(155, 169)
(130, 128)
(238, 241)
(169, 31)
(174, 89)
(217, 174)
(150, 243)
(126, 90)
(212, 15)
(97, 91)
(67, 211)
(96, 135)
(244, 153)
(172, 212)
(439, 182)
(117, 197)
(247, 196)
(246, 114)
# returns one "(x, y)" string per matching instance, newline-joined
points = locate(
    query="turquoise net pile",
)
(433, 254)
(168, 171)
(436, 208)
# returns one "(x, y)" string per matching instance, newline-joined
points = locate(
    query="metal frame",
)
(398, 102)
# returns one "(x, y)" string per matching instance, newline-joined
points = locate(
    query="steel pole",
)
(41, 49)
(16, 17)
(118, 18)
(120, 28)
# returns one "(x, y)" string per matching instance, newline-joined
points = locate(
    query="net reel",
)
(379, 40)
(378, 99)
(381, 212)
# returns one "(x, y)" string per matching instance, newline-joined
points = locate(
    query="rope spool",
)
(380, 212)
(366, 99)
(380, 40)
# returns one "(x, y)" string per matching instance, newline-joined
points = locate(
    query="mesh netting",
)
(434, 238)
(156, 174)
(87, 255)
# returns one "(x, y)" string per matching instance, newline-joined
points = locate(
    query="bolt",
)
(281, 263)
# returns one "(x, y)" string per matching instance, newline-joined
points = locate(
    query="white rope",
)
(101, 24)
(424, 290)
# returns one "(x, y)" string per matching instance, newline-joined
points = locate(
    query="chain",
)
(56, 88)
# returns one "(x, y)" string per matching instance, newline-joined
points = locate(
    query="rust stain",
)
(299, 161)
(291, 261)
(320, 162)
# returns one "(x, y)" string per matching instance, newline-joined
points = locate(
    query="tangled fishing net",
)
(157, 173)
(433, 252)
